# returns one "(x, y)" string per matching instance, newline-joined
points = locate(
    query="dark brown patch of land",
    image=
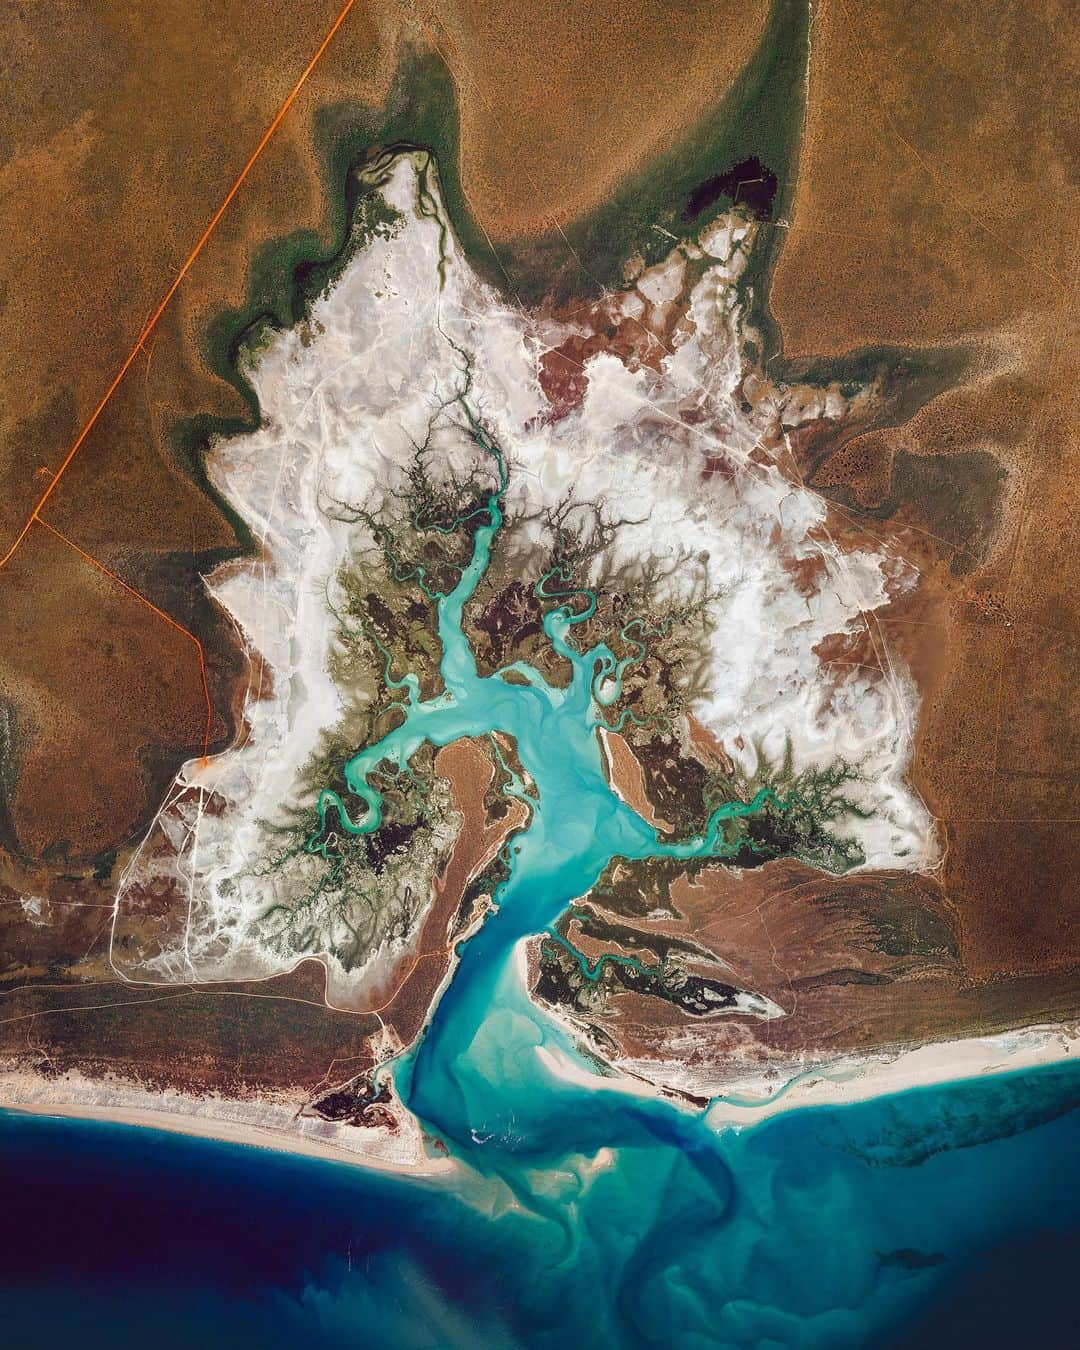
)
(242, 1041)
(856, 963)
(937, 203)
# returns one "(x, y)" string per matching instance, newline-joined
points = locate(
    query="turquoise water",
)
(476, 1074)
(940, 1217)
(577, 1213)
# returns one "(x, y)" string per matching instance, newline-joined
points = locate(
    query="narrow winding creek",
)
(576, 1206)
(587, 1203)
(477, 1075)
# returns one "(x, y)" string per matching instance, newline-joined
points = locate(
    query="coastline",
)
(250, 1124)
(853, 1079)
(751, 1100)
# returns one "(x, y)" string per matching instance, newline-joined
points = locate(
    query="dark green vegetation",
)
(358, 894)
(568, 980)
(355, 891)
(900, 380)
(8, 772)
(338, 886)
(751, 138)
(815, 803)
(756, 123)
(760, 117)
(652, 612)
(957, 497)
(802, 819)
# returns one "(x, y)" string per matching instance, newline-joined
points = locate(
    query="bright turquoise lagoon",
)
(941, 1217)
(578, 1214)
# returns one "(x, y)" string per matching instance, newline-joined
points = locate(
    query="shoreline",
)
(848, 1080)
(751, 1100)
(247, 1124)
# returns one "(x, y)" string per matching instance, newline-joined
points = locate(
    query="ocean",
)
(577, 1212)
(939, 1216)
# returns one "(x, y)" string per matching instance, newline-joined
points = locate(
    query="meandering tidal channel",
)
(579, 1211)
(580, 1204)
(476, 1075)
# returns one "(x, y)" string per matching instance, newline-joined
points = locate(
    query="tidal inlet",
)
(548, 934)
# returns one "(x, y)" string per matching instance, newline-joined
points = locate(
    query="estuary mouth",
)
(535, 649)
(467, 556)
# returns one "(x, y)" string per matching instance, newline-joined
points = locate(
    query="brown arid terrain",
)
(938, 204)
(854, 964)
(919, 221)
(107, 188)
(124, 135)
(935, 207)
(243, 1040)
(544, 140)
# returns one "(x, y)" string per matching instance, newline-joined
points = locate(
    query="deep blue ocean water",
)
(946, 1216)
(576, 1213)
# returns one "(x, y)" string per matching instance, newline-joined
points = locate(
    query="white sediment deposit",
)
(858, 1077)
(687, 450)
(269, 1122)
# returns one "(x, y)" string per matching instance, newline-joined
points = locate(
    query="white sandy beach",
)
(843, 1081)
(253, 1124)
(751, 1099)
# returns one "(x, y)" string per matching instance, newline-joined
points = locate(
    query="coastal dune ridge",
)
(686, 446)
(748, 1098)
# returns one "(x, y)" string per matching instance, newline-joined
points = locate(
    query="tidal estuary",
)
(578, 1203)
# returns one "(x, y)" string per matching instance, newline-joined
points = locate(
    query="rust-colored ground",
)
(560, 102)
(937, 202)
(243, 1041)
(120, 135)
(121, 132)
(856, 962)
(124, 134)
(403, 999)
(627, 778)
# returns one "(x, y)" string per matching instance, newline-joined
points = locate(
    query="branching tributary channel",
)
(475, 1074)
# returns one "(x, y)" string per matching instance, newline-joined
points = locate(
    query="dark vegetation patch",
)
(562, 982)
(358, 1102)
(602, 930)
(675, 783)
(637, 889)
(955, 498)
(748, 184)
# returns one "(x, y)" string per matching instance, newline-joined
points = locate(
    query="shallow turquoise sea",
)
(576, 1213)
(944, 1216)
